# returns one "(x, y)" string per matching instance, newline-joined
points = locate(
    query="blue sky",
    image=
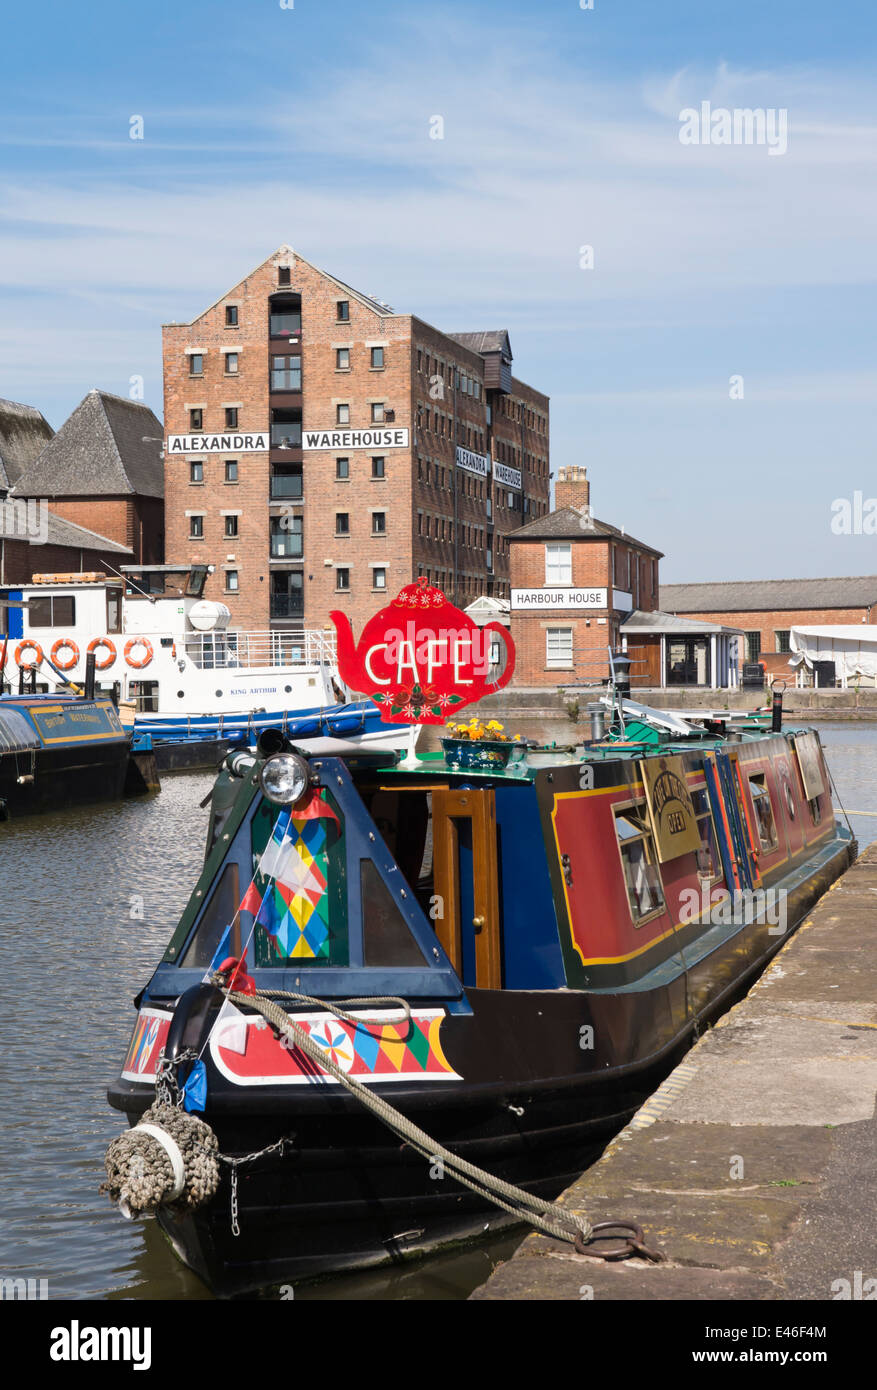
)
(310, 125)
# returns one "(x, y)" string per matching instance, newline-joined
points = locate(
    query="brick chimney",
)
(571, 487)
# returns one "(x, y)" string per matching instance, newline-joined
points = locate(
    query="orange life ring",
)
(22, 647)
(71, 662)
(111, 652)
(145, 659)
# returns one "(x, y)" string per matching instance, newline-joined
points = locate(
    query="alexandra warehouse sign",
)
(354, 439)
(559, 598)
(218, 443)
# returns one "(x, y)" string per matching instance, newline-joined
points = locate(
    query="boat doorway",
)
(466, 884)
(445, 843)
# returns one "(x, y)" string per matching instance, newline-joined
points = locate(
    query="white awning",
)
(851, 646)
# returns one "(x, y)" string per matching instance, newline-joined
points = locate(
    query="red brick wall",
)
(571, 487)
(21, 561)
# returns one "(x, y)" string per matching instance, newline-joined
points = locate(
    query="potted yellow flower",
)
(479, 746)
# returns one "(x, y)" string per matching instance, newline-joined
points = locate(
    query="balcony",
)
(288, 606)
(286, 482)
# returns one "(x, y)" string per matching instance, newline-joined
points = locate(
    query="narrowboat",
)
(58, 751)
(512, 956)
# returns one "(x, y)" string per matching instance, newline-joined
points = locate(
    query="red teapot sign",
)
(421, 659)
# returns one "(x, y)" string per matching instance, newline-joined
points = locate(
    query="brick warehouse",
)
(323, 450)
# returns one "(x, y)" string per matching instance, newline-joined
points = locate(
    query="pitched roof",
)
(24, 432)
(770, 595)
(100, 451)
(669, 623)
(573, 524)
(491, 340)
(59, 531)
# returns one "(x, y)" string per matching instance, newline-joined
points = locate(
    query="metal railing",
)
(212, 651)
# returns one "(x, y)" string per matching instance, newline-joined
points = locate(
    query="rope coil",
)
(142, 1174)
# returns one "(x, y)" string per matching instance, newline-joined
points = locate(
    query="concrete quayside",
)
(752, 1167)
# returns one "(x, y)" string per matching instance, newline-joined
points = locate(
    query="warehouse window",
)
(342, 308)
(753, 646)
(342, 468)
(783, 641)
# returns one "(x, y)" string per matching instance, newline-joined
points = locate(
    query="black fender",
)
(194, 1016)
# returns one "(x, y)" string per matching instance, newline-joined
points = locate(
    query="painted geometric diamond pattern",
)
(301, 899)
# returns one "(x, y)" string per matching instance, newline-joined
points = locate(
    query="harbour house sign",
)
(559, 598)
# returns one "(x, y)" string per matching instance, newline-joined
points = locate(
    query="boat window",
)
(114, 610)
(304, 916)
(386, 938)
(708, 858)
(145, 695)
(815, 804)
(219, 911)
(404, 820)
(767, 834)
(58, 610)
(638, 860)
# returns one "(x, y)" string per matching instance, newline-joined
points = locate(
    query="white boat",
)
(173, 656)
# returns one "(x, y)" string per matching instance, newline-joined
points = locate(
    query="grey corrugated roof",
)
(573, 524)
(768, 595)
(100, 451)
(491, 340)
(59, 531)
(24, 433)
(657, 621)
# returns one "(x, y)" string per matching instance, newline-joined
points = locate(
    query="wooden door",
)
(466, 880)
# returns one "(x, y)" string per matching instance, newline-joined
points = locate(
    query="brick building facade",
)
(574, 581)
(323, 450)
(766, 610)
(37, 538)
(103, 472)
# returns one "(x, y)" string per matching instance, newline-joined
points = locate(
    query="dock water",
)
(752, 1167)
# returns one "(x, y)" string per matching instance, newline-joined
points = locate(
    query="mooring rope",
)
(546, 1216)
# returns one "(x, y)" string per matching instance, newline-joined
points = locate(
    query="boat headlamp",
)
(285, 778)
